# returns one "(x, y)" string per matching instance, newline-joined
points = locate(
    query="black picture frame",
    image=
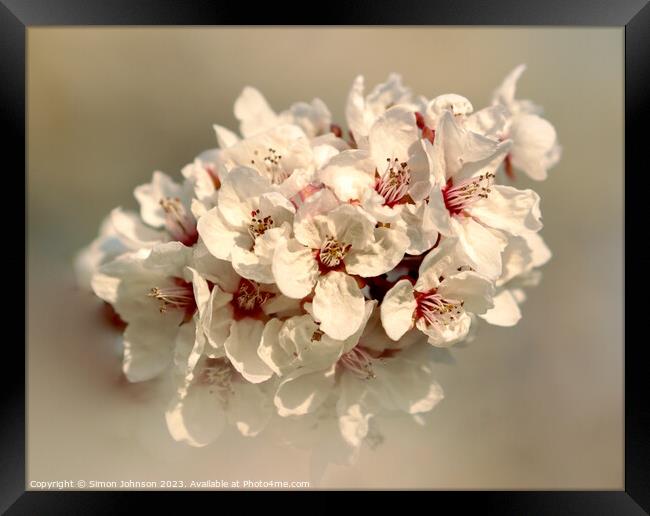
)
(17, 15)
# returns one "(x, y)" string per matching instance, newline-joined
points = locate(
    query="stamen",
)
(393, 186)
(180, 224)
(248, 300)
(436, 310)
(359, 362)
(270, 165)
(177, 297)
(332, 253)
(259, 224)
(467, 192)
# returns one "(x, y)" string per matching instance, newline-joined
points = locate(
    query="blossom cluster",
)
(301, 272)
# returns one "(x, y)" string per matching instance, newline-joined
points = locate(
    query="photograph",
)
(334, 257)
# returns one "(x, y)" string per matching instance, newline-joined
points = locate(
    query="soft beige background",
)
(537, 406)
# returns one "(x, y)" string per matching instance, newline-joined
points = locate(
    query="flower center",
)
(217, 374)
(436, 310)
(394, 184)
(359, 362)
(259, 224)
(467, 192)
(180, 296)
(180, 224)
(270, 165)
(332, 252)
(248, 300)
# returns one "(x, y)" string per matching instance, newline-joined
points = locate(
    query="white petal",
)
(397, 309)
(148, 344)
(534, 138)
(474, 290)
(150, 194)
(379, 256)
(509, 209)
(219, 236)
(196, 417)
(249, 408)
(445, 336)
(338, 304)
(481, 246)
(132, 231)
(303, 392)
(349, 174)
(392, 135)
(225, 137)
(217, 318)
(505, 311)
(254, 113)
(294, 268)
(241, 348)
(505, 93)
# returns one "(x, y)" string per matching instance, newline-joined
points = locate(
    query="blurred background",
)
(537, 406)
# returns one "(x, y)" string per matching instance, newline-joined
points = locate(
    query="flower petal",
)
(474, 290)
(294, 269)
(303, 392)
(397, 309)
(379, 256)
(482, 246)
(338, 304)
(505, 311)
(254, 113)
(148, 347)
(241, 348)
(509, 209)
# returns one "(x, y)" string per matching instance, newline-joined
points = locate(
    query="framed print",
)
(383, 250)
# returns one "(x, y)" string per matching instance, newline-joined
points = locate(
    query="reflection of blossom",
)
(294, 279)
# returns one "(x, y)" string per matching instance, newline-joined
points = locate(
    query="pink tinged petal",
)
(241, 348)
(148, 347)
(219, 236)
(294, 269)
(474, 290)
(397, 309)
(303, 392)
(225, 137)
(380, 256)
(254, 113)
(534, 140)
(339, 305)
(349, 174)
(505, 311)
(509, 209)
(482, 246)
(196, 416)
